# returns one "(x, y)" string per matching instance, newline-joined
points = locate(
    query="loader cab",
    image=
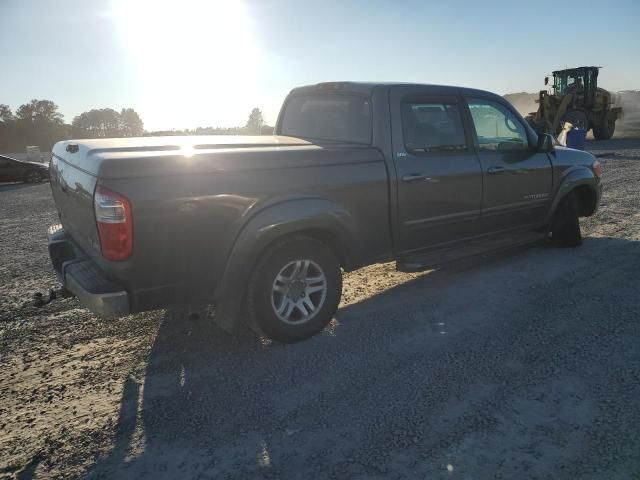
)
(582, 81)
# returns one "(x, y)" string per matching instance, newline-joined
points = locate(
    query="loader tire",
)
(606, 129)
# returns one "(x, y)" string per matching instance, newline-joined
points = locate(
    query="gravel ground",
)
(523, 367)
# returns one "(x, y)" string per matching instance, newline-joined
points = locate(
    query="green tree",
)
(38, 123)
(255, 122)
(39, 112)
(7, 127)
(97, 123)
(107, 123)
(130, 123)
(6, 115)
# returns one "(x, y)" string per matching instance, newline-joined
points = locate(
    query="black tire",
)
(33, 176)
(264, 298)
(565, 227)
(606, 129)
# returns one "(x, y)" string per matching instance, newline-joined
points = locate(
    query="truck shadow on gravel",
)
(212, 404)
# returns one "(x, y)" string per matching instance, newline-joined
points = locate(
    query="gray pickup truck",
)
(262, 227)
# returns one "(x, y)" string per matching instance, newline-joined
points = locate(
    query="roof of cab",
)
(367, 88)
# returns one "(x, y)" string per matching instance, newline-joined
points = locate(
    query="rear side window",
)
(340, 118)
(432, 127)
(496, 126)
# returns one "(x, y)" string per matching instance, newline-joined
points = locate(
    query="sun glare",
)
(187, 151)
(195, 60)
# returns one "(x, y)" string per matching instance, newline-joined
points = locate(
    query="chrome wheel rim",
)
(298, 291)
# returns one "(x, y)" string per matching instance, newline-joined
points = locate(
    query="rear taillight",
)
(115, 224)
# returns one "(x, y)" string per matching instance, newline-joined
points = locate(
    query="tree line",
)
(255, 125)
(39, 122)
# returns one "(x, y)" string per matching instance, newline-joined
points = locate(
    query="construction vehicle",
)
(576, 98)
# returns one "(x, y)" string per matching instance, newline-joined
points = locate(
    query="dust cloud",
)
(524, 102)
(629, 125)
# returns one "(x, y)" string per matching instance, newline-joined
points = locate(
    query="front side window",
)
(432, 127)
(497, 127)
(337, 118)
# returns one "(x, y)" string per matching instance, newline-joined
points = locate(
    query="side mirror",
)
(546, 80)
(546, 143)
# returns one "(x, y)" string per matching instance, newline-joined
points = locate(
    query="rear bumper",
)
(82, 277)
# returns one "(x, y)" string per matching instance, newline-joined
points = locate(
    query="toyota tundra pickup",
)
(262, 227)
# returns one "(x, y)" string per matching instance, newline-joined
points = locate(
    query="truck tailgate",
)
(72, 189)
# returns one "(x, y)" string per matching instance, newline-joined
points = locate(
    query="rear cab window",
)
(432, 126)
(328, 117)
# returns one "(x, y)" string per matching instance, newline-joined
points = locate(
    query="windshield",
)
(329, 117)
(567, 81)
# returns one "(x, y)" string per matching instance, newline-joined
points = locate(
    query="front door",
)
(439, 178)
(517, 178)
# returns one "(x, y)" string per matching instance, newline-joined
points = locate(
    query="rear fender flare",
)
(265, 227)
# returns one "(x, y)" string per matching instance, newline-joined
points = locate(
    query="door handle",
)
(415, 177)
(494, 170)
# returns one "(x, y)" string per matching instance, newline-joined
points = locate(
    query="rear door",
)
(438, 173)
(517, 178)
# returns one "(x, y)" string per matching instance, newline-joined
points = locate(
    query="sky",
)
(188, 63)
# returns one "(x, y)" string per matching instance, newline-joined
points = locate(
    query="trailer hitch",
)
(54, 293)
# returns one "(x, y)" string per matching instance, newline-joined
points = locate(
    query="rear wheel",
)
(33, 176)
(295, 289)
(605, 130)
(565, 227)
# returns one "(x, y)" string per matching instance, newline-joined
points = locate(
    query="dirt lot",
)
(514, 368)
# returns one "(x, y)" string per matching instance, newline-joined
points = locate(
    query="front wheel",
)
(565, 227)
(295, 289)
(604, 131)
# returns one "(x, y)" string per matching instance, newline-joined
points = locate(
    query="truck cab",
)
(462, 162)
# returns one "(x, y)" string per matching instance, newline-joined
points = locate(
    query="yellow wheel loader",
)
(576, 98)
